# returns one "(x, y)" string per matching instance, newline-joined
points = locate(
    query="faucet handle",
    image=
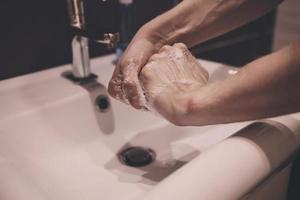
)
(110, 39)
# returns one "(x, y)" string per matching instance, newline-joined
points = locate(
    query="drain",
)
(137, 156)
(102, 102)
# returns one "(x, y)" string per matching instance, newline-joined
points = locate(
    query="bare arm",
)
(264, 88)
(195, 21)
(191, 22)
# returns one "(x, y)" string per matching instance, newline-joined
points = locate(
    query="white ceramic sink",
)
(56, 145)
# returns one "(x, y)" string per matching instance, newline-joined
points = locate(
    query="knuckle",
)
(154, 57)
(114, 91)
(146, 74)
(134, 101)
(128, 84)
(131, 90)
(180, 45)
(165, 48)
(182, 48)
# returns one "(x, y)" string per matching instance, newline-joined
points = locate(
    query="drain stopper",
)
(137, 156)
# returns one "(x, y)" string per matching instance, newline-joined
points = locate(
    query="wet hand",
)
(169, 77)
(124, 84)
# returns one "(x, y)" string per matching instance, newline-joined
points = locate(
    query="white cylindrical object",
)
(232, 168)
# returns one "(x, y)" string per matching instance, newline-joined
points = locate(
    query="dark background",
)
(35, 35)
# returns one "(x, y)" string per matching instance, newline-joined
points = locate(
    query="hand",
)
(168, 79)
(124, 84)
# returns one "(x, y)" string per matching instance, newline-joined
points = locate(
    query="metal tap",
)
(80, 44)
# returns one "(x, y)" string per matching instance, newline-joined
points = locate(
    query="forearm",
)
(264, 88)
(195, 21)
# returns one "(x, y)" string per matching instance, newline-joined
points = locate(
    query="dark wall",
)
(35, 35)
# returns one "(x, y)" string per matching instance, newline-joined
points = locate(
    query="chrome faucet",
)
(81, 68)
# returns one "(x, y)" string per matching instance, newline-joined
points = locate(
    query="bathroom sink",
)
(55, 143)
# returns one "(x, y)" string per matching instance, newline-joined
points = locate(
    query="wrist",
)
(151, 34)
(167, 29)
(174, 102)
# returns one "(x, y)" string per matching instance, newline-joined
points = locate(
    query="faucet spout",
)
(83, 23)
(81, 58)
(80, 47)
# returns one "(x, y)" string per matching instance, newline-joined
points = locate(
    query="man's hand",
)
(168, 76)
(124, 84)
(190, 22)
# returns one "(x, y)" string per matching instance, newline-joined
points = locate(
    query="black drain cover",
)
(137, 156)
(102, 103)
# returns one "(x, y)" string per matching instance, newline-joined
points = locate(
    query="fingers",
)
(125, 84)
(146, 72)
(173, 61)
(168, 50)
(147, 77)
(181, 46)
(115, 85)
(125, 87)
(156, 57)
(178, 50)
(133, 92)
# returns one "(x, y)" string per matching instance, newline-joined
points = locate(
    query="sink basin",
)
(56, 144)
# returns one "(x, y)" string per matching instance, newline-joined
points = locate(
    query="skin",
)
(264, 88)
(172, 66)
(200, 20)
